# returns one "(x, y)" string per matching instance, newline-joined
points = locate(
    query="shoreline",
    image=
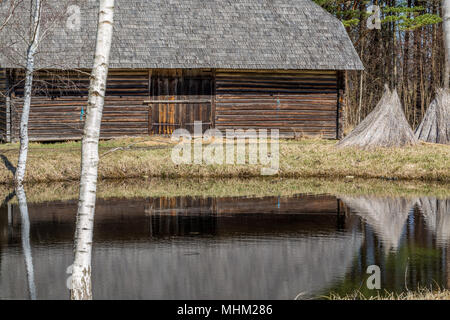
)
(150, 157)
(217, 188)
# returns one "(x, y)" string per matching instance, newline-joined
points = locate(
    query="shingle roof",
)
(236, 34)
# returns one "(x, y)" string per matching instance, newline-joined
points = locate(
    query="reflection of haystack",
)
(387, 216)
(437, 216)
(435, 126)
(385, 126)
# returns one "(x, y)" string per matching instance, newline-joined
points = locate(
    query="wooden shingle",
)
(234, 34)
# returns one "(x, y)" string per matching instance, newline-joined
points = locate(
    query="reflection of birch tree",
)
(81, 276)
(23, 207)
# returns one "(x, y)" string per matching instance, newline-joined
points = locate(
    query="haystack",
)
(435, 126)
(386, 216)
(385, 126)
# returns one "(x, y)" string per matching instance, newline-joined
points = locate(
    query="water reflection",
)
(387, 216)
(230, 248)
(25, 235)
(437, 216)
(399, 239)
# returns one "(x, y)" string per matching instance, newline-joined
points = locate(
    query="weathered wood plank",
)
(294, 102)
(60, 96)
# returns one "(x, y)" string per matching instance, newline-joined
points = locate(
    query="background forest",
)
(407, 53)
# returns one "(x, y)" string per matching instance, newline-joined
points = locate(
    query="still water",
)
(229, 248)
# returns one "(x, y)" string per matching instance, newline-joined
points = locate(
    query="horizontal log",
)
(268, 96)
(261, 117)
(279, 123)
(152, 102)
(275, 91)
(274, 113)
(77, 100)
(243, 108)
(78, 137)
(123, 131)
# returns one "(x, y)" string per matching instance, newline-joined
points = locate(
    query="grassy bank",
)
(420, 294)
(151, 157)
(254, 187)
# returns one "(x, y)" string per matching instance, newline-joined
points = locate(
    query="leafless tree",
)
(20, 41)
(81, 275)
(35, 28)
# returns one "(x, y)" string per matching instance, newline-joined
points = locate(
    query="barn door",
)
(178, 99)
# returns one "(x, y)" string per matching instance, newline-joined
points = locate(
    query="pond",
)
(302, 246)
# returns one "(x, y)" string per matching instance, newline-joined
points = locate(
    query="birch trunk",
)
(81, 275)
(446, 28)
(31, 51)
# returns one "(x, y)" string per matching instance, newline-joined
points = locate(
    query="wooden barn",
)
(236, 64)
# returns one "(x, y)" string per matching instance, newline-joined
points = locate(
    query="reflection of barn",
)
(190, 248)
(141, 218)
(236, 214)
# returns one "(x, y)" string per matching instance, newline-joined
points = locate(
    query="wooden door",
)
(179, 98)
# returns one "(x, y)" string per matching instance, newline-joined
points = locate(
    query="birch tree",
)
(446, 28)
(20, 39)
(81, 274)
(31, 51)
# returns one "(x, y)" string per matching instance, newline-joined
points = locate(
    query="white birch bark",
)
(446, 28)
(31, 51)
(26, 247)
(81, 275)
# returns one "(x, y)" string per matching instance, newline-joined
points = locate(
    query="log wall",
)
(298, 103)
(3, 112)
(340, 125)
(59, 105)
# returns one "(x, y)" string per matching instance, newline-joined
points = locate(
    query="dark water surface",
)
(230, 248)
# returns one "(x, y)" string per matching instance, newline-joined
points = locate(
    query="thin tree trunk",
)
(81, 276)
(31, 51)
(446, 28)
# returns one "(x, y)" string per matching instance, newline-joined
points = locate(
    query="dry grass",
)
(151, 157)
(254, 187)
(419, 294)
